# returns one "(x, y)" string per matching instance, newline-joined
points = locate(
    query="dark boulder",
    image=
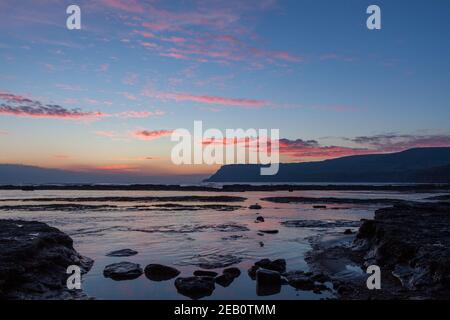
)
(159, 272)
(34, 258)
(259, 219)
(224, 280)
(205, 273)
(123, 271)
(274, 231)
(195, 287)
(122, 253)
(266, 277)
(233, 272)
(299, 280)
(278, 265)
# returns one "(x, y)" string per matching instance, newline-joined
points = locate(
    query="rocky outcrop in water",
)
(34, 258)
(123, 271)
(159, 272)
(122, 253)
(410, 244)
(413, 244)
(195, 287)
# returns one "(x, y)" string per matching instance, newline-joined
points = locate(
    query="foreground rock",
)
(410, 244)
(278, 265)
(122, 253)
(33, 261)
(268, 282)
(205, 273)
(123, 271)
(195, 287)
(306, 281)
(331, 200)
(159, 272)
(227, 277)
(269, 231)
(259, 219)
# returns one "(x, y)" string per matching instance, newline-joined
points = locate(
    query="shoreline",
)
(409, 243)
(235, 187)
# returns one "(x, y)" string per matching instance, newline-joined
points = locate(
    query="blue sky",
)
(139, 69)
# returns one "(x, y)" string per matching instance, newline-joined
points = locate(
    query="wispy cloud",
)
(238, 102)
(126, 5)
(140, 114)
(150, 135)
(396, 142)
(20, 106)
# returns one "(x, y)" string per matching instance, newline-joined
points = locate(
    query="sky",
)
(106, 98)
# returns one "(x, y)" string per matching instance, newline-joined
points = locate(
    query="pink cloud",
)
(250, 103)
(19, 106)
(161, 26)
(174, 55)
(129, 96)
(398, 142)
(108, 134)
(104, 67)
(150, 135)
(125, 5)
(140, 114)
(69, 87)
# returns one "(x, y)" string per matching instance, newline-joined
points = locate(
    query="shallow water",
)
(186, 238)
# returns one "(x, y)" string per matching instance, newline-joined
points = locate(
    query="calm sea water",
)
(185, 238)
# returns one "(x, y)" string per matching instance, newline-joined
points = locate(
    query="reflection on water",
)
(191, 238)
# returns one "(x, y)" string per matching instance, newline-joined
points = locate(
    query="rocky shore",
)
(410, 244)
(33, 261)
(432, 187)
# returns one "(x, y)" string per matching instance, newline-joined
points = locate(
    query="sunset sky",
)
(106, 98)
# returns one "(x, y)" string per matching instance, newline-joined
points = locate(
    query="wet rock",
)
(411, 242)
(233, 272)
(255, 207)
(320, 277)
(274, 231)
(348, 231)
(214, 260)
(123, 271)
(205, 273)
(224, 280)
(299, 280)
(159, 272)
(266, 277)
(33, 261)
(261, 244)
(331, 200)
(319, 206)
(278, 265)
(259, 219)
(122, 253)
(320, 223)
(195, 287)
(252, 272)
